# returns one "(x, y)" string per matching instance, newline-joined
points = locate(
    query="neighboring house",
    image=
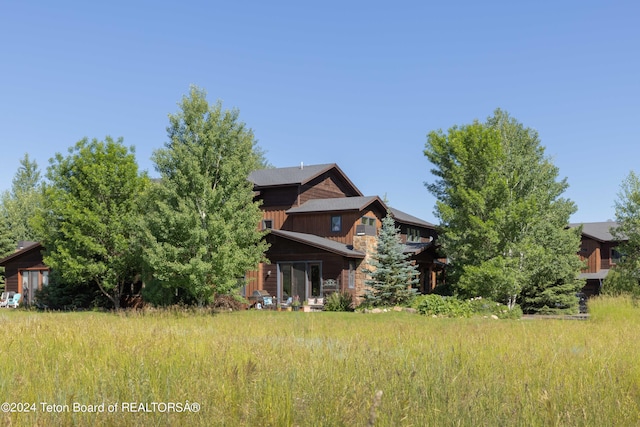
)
(25, 272)
(322, 232)
(598, 249)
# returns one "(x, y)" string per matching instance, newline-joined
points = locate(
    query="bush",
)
(228, 302)
(338, 301)
(437, 305)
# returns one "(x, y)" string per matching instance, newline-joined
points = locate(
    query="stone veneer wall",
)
(366, 244)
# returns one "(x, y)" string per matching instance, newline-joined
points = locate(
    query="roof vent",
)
(301, 165)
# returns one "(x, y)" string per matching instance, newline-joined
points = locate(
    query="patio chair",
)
(14, 301)
(6, 297)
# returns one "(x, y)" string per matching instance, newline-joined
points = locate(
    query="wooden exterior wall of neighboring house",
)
(597, 254)
(30, 259)
(590, 252)
(606, 261)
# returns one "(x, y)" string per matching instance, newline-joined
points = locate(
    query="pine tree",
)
(392, 275)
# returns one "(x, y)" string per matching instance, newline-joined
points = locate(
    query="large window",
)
(31, 282)
(301, 279)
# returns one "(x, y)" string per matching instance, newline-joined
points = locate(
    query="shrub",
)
(437, 305)
(339, 301)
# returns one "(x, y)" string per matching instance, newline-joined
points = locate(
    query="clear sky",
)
(355, 83)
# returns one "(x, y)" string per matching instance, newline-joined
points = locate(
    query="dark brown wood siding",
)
(31, 259)
(325, 186)
(590, 252)
(279, 196)
(605, 255)
(320, 225)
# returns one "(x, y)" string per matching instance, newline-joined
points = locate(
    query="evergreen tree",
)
(202, 225)
(392, 275)
(25, 198)
(504, 222)
(90, 218)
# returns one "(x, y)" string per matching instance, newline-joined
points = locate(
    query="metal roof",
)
(597, 230)
(320, 242)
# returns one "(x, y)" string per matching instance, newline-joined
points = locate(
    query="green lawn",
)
(309, 369)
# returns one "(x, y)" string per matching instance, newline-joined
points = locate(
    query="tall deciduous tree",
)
(91, 215)
(504, 222)
(625, 276)
(392, 276)
(202, 226)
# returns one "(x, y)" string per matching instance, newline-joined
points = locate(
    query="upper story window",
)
(413, 234)
(368, 221)
(336, 223)
(267, 224)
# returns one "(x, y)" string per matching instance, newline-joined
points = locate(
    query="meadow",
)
(267, 368)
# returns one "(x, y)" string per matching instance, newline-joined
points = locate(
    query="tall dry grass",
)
(313, 369)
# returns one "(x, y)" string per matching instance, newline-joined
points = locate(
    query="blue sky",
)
(355, 83)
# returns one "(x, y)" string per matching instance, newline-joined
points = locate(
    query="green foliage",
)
(503, 220)
(20, 204)
(392, 276)
(90, 218)
(621, 281)
(443, 306)
(339, 301)
(625, 277)
(437, 305)
(201, 232)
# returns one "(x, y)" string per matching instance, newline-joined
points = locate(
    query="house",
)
(322, 231)
(25, 273)
(598, 250)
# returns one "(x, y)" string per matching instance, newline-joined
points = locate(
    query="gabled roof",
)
(297, 175)
(32, 246)
(600, 231)
(415, 248)
(320, 243)
(405, 218)
(336, 204)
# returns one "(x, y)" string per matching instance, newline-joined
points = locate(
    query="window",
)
(352, 274)
(267, 224)
(31, 282)
(368, 221)
(336, 223)
(616, 256)
(413, 235)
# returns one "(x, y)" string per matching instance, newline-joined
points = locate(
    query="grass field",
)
(311, 369)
